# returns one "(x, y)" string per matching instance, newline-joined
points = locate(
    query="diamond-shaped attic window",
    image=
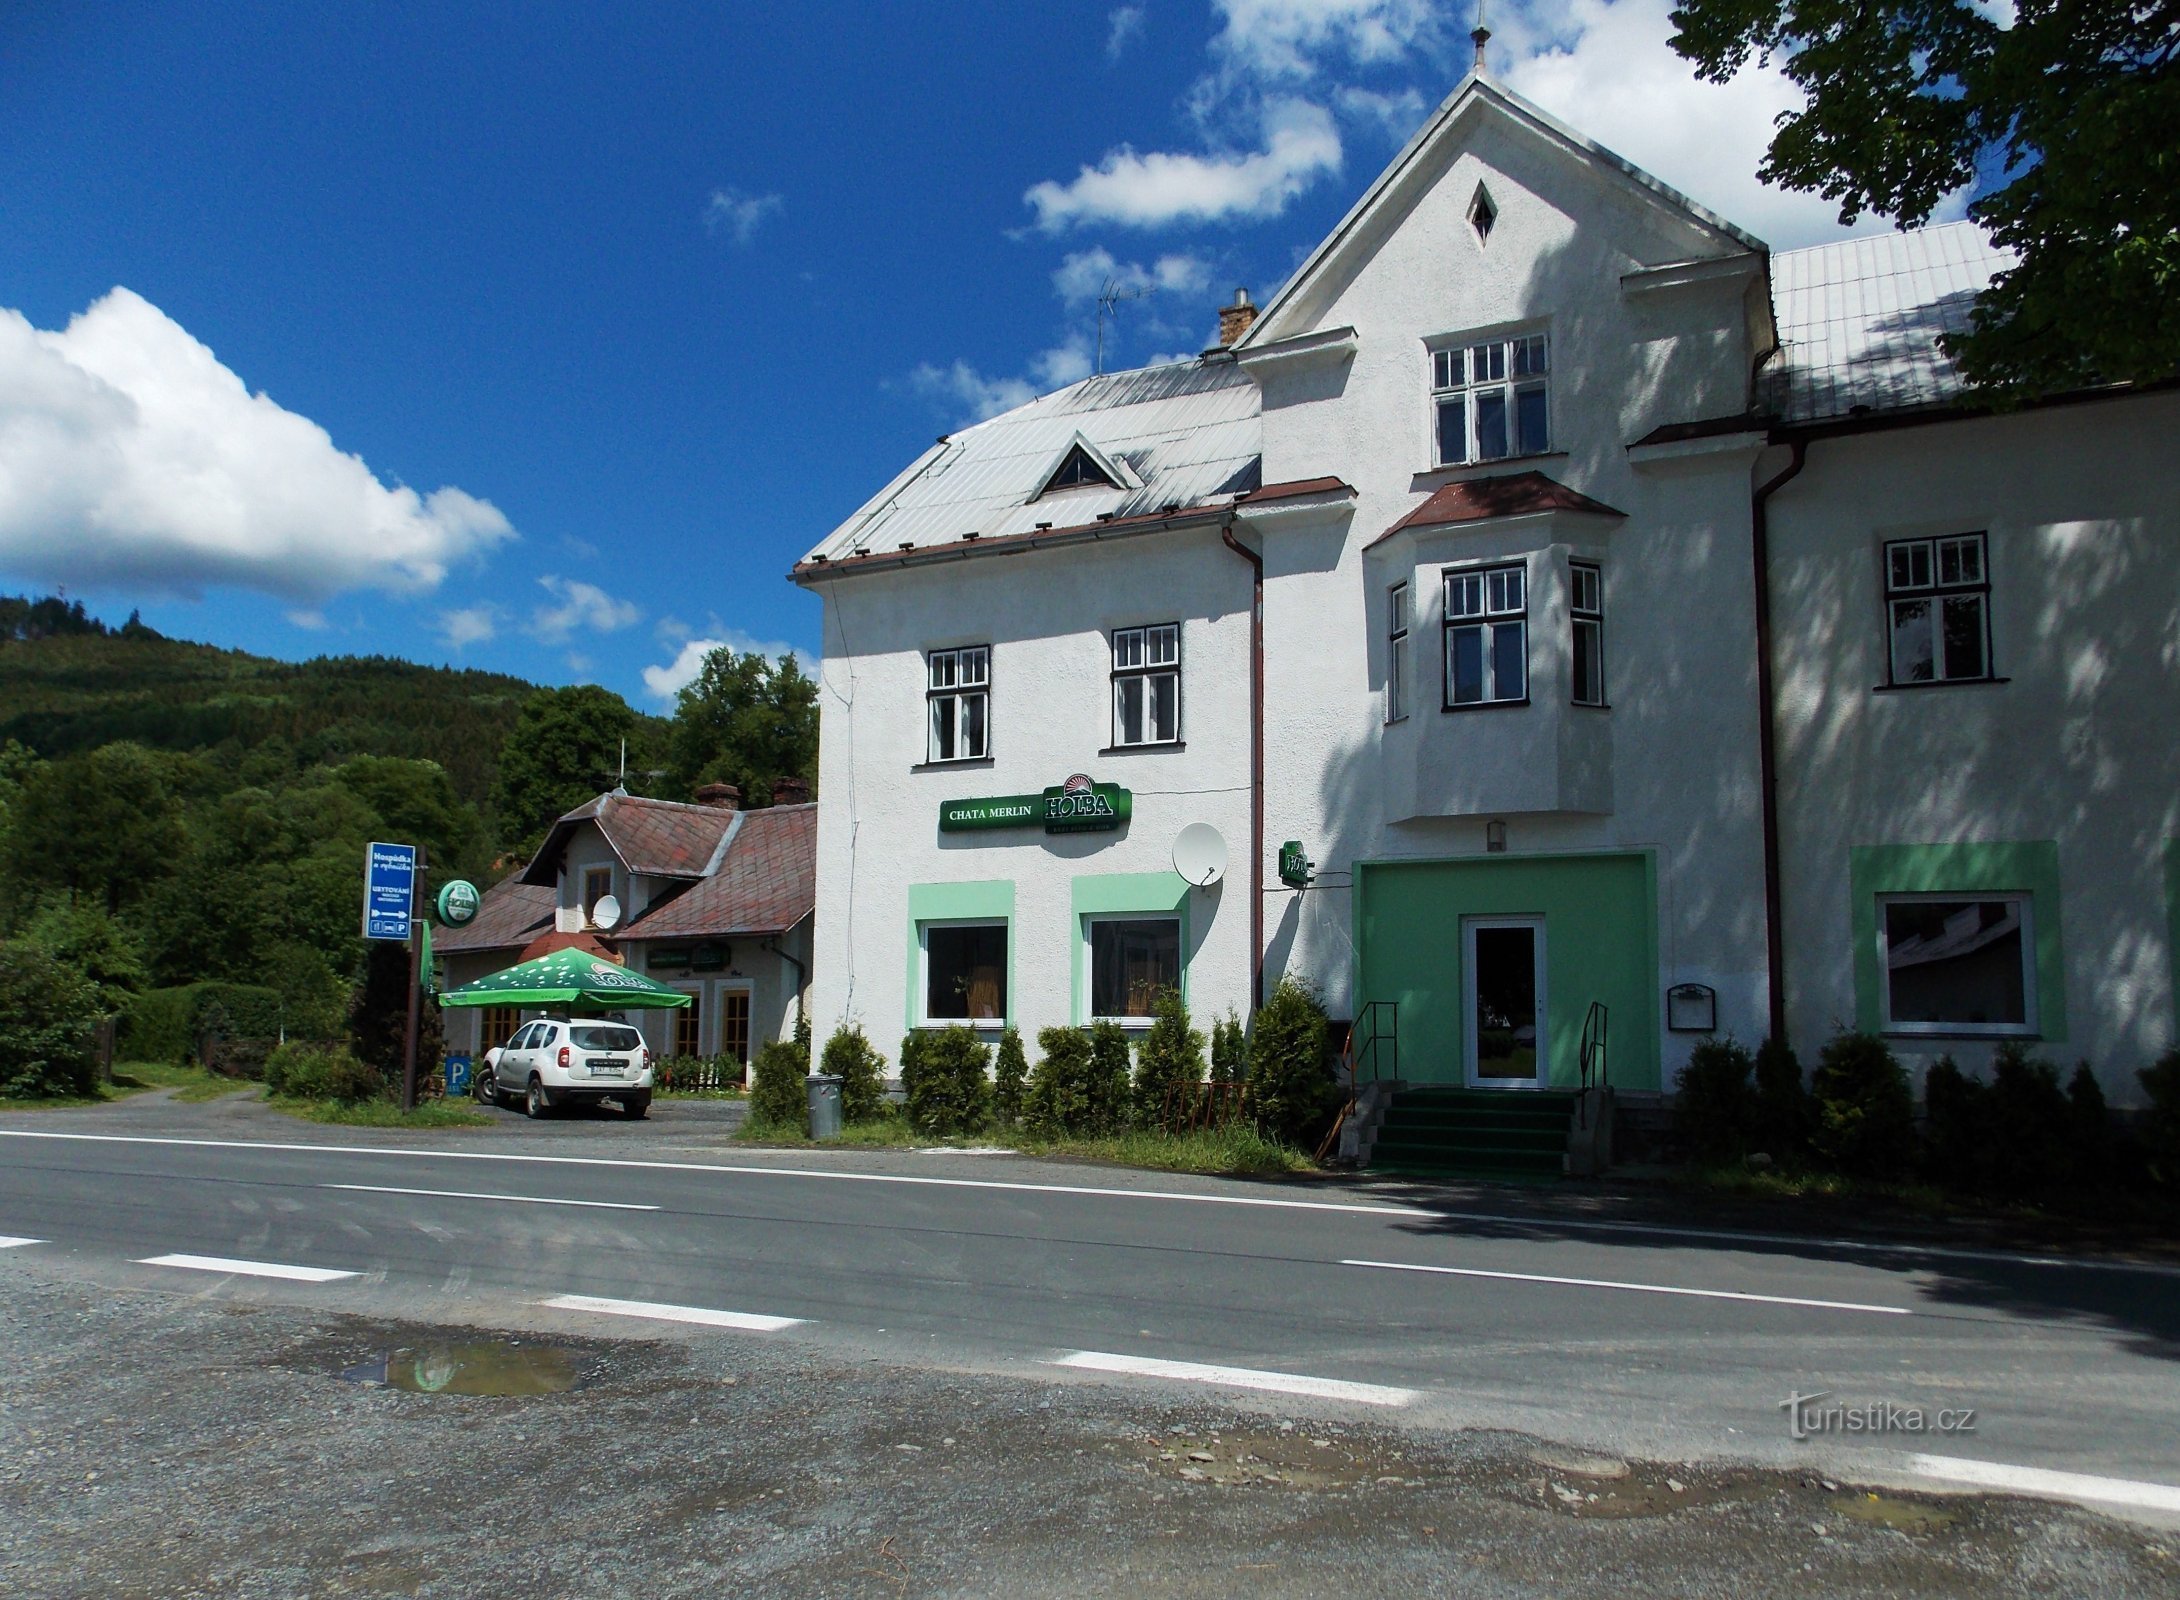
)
(1482, 214)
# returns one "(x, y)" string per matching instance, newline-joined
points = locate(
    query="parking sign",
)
(389, 890)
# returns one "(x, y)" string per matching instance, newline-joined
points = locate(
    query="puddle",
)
(484, 1367)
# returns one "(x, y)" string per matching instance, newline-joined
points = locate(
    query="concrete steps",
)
(1447, 1132)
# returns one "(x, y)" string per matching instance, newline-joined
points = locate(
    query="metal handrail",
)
(1596, 1057)
(1375, 1031)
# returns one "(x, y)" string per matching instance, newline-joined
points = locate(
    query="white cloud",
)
(582, 605)
(1287, 39)
(1126, 23)
(1614, 76)
(1082, 277)
(129, 454)
(468, 625)
(1300, 145)
(1397, 113)
(962, 385)
(670, 630)
(734, 212)
(668, 680)
(312, 621)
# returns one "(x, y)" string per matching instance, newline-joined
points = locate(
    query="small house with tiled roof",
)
(705, 897)
(1557, 628)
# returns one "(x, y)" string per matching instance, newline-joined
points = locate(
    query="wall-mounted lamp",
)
(1495, 837)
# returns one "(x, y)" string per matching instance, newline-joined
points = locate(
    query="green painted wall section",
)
(1116, 893)
(1600, 943)
(986, 900)
(2030, 867)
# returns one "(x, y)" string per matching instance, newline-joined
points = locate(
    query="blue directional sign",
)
(389, 890)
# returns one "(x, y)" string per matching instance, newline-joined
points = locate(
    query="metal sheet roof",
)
(1859, 320)
(1187, 430)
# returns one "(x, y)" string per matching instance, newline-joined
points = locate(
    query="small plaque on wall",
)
(1691, 1008)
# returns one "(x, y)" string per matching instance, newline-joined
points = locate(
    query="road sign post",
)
(416, 984)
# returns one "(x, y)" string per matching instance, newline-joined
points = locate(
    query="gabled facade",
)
(1617, 616)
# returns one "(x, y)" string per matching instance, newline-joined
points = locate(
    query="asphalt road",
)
(1668, 1343)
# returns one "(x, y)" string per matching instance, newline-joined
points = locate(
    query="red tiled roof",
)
(767, 883)
(1294, 490)
(874, 560)
(510, 915)
(1518, 494)
(660, 838)
(555, 939)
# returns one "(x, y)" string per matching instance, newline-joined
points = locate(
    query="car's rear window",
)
(606, 1038)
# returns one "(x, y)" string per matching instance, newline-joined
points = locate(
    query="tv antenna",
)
(1109, 299)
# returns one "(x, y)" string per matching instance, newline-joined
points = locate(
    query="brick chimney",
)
(722, 796)
(1234, 320)
(790, 791)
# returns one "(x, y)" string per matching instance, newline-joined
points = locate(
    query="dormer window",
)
(1079, 471)
(1489, 400)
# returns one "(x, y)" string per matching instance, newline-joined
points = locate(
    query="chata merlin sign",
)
(1076, 806)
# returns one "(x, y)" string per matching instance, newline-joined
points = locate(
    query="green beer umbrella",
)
(567, 978)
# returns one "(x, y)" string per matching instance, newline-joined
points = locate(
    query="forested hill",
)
(74, 688)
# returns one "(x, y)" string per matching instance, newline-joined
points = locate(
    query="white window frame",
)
(924, 1019)
(1396, 652)
(1470, 375)
(944, 700)
(1498, 600)
(1586, 611)
(1141, 655)
(2028, 1028)
(1090, 921)
(1934, 572)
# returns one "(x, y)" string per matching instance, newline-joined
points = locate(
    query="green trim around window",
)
(2030, 867)
(988, 900)
(1115, 894)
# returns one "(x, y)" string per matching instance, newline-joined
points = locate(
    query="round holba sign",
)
(458, 903)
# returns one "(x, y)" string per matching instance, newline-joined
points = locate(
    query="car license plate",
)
(607, 1066)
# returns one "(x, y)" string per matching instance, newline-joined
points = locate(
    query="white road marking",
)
(8, 1241)
(1642, 1288)
(247, 1269)
(463, 1194)
(656, 1311)
(2041, 1481)
(1368, 1394)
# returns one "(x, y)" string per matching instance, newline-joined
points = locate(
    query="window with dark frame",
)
(1938, 610)
(689, 1027)
(1490, 400)
(1487, 637)
(1958, 964)
(734, 1024)
(1077, 471)
(965, 972)
(1132, 962)
(597, 884)
(1147, 685)
(1396, 653)
(1586, 613)
(958, 702)
(499, 1025)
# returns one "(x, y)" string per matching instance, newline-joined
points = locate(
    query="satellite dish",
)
(606, 912)
(1199, 854)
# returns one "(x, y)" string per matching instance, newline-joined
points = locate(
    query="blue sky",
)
(546, 338)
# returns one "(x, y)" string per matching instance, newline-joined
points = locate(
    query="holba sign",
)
(1076, 806)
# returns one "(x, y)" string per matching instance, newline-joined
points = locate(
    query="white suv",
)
(560, 1062)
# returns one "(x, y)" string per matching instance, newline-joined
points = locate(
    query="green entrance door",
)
(1504, 1018)
(1478, 950)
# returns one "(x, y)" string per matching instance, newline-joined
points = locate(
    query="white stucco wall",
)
(1047, 618)
(2076, 747)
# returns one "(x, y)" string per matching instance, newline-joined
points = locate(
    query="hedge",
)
(170, 1024)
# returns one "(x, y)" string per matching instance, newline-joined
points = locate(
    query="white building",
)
(1584, 522)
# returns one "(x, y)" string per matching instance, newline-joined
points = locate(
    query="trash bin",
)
(824, 1106)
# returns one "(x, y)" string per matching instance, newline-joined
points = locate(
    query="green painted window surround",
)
(987, 900)
(1117, 894)
(2028, 867)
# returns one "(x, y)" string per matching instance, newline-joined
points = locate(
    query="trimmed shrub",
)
(779, 1091)
(1865, 1123)
(949, 1093)
(2161, 1128)
(301, 1071)
(862, 1074)
(1229, 1050)
(47, 1016)
(1292, 1085)
(1715, 1107)
(173, 1024)
(1058, 1095)
(2089, 1129)
(1783, 1114)
(2029, 1123)
(698, 1074)
(1009, 1076)
(1170, 1059)
(1956, 1127)
(1105, 1091)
